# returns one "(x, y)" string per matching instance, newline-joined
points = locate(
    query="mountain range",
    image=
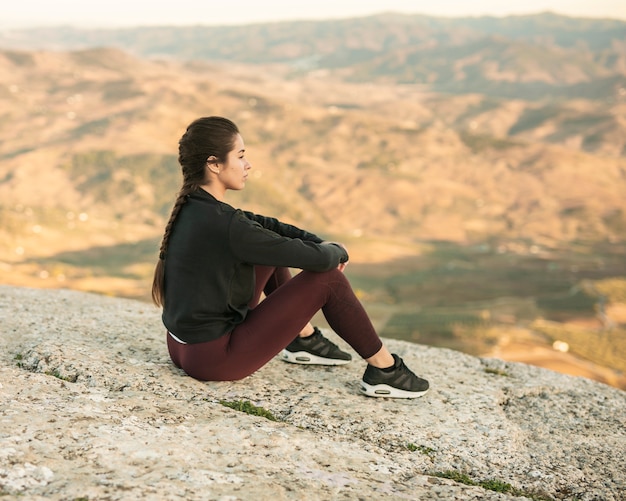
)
(462, 161)
(529, 57)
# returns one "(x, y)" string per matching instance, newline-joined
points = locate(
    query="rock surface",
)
(91, 408)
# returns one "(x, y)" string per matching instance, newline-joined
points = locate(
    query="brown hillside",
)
(350, 159)
(462, 214)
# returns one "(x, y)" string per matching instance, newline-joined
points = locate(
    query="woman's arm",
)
(283, 229)
(255, 244)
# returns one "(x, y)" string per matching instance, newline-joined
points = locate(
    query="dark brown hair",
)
(205, 137)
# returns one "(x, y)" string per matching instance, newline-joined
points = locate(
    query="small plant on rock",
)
(497, 372)
(249, 408)
(421, 448)
(491, 484)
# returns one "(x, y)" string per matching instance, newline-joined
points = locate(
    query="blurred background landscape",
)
(474, 167)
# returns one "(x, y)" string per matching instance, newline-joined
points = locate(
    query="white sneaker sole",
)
(386, 391)
(305, 358)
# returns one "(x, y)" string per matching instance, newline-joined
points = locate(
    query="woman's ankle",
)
(308, 330)
(382, 359)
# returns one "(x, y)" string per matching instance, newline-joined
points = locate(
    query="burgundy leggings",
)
(273, 323)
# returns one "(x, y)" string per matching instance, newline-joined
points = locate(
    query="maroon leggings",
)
(273, 323)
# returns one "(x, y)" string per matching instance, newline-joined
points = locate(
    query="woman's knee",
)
(330, 276)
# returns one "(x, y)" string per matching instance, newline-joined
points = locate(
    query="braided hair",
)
(205, 137)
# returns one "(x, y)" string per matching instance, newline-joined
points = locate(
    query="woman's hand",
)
(341, 266)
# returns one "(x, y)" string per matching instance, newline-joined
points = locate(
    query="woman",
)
(215, 261)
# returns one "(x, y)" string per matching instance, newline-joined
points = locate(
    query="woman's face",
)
(234, 171)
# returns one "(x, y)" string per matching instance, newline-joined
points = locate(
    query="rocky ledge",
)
(91, 408)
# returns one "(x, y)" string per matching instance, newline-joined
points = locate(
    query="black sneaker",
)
(397, 383)
(314, 349)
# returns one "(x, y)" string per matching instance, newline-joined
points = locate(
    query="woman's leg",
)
(296, 301)
(268, 279)
(274, 323)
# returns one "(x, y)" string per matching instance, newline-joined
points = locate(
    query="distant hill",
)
(476, 205)
(93, 133)
(527, 57)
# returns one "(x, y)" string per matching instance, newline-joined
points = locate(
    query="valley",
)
(481, 222)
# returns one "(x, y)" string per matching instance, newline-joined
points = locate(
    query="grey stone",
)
(91, 407)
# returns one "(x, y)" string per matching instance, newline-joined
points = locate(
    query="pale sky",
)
(122, 13)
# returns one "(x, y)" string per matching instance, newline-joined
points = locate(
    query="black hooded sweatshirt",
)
(209, 264)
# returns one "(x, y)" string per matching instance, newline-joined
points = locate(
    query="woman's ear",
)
(211, 163)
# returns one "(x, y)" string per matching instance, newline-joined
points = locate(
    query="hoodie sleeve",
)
(283, 229)
(255, 244)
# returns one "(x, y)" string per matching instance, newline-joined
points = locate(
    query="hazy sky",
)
(94, 13)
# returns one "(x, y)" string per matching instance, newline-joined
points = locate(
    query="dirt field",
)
(547, 357)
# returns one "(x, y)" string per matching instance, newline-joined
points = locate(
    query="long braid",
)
(159, 272)
(205, 137)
